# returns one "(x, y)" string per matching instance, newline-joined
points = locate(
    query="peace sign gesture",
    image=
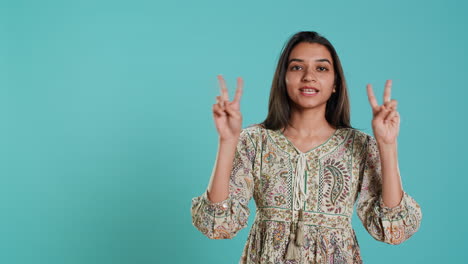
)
(226, 114)
(386, 119)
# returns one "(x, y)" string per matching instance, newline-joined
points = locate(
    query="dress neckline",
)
(311, 150)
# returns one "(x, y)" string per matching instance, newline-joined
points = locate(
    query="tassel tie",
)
(299, 182)
(296, 238)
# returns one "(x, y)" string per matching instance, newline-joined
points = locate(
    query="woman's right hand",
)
(227, 115)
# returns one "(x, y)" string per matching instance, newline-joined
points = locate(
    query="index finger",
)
(371, 97)
(222, 84)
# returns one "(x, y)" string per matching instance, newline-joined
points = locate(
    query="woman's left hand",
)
(386, 119)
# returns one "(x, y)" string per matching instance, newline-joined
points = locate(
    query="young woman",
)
(306, 167)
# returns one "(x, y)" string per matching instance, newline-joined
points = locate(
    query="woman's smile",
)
(308, 92)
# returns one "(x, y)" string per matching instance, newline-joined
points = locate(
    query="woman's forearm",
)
(218, 188)
(392, 190)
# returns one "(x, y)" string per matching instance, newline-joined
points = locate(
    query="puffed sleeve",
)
(225, 219)
(391, 225)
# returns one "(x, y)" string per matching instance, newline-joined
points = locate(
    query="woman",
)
(306, 167)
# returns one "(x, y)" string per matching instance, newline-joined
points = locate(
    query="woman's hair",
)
(337, 111)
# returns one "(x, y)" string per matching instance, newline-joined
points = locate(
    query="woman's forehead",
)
(310, 51)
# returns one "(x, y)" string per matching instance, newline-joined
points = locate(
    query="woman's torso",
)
(331, 184)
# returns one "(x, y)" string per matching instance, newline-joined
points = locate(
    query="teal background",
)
(107, 131)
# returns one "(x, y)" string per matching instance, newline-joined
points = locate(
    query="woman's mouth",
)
(308, 92)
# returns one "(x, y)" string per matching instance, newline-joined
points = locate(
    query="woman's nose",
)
(309, 76)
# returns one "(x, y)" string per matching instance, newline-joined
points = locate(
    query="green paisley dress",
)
(318, 188)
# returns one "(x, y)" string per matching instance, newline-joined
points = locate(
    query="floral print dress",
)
(316, 190)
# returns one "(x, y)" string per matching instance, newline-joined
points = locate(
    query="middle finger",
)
(387, 91)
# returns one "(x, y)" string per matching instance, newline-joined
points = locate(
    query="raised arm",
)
(222, 210)
(228, 121)
(387, 212)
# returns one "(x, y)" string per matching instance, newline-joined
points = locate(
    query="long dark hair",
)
(337, 111)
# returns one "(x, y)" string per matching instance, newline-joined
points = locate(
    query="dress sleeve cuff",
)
(394, 213)
(219, 207)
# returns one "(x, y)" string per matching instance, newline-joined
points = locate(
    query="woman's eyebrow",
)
(299, 60)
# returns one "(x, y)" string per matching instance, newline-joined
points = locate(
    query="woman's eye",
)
(295, 67)
(322, 69)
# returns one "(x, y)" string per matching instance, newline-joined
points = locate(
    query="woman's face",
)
(310, 66)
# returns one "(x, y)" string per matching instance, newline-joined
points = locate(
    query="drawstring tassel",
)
(259, 245)
(300, 230)
(292, 251)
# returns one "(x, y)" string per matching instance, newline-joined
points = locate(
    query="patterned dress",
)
(317, 189)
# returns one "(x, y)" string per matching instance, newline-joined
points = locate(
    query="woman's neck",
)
(308, 123)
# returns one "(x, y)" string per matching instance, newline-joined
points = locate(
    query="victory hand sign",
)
(386, 119)
(226, 114)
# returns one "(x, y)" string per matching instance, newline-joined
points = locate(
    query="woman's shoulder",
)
(360, 138)
(252, 130)
(363, 135)
(357, 132)
(250, 137)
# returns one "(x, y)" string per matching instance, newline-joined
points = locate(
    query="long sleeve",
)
(389, 225)
(225, 219)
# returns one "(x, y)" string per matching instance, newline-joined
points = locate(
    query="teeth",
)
(309, 90)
